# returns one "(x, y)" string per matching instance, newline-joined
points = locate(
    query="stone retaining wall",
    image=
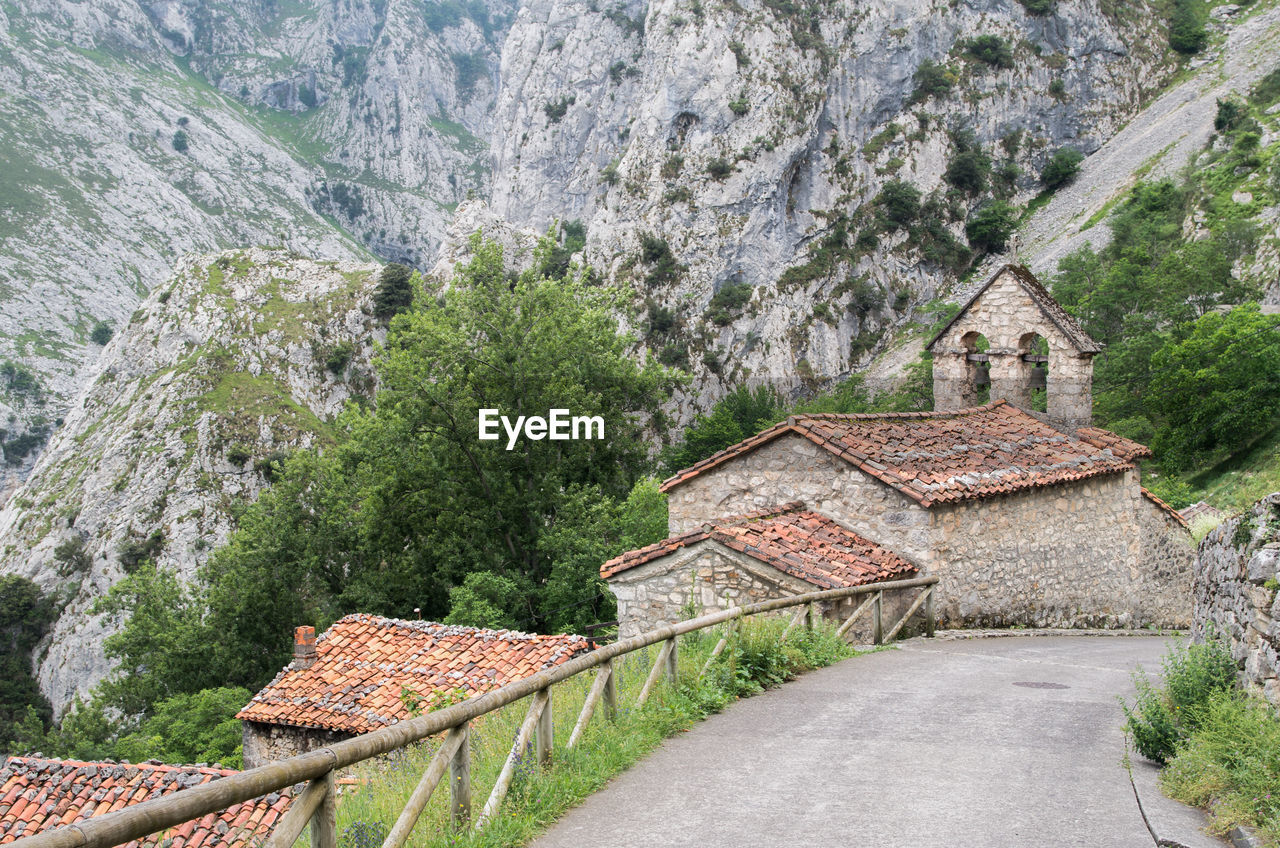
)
(1236, 592)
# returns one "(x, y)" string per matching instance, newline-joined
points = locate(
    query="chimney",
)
(304, 646)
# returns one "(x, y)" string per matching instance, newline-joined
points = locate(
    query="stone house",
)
(1028, 518)
(38, 794)
(784, 550)
(359, 674)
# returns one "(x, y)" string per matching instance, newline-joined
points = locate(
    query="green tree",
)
(200, 727)
(1218, 388)
(741, 413)
(932, 79)
(990, 227)
(487, 600)
(1187, 34)
(1061, 168)
(991, 49)
(394, 293)
(101, 333)
(899, 203)
(25, 614)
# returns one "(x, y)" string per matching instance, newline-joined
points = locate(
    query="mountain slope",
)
(239, 359)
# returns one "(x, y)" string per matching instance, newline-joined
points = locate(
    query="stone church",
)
(1027, 517)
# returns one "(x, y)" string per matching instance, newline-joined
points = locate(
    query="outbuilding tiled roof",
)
(793, 540)
(1117, 444)
(1052, 310)
(38, 795)
(363, 662)
(943, 457)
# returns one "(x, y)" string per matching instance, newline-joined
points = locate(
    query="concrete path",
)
(976, 743)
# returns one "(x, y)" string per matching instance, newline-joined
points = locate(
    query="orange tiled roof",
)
(1040, 296)
(38, 795)
(942, 457)
(791, 539)
(364, 661)
(1173, 513)
(1117, 444)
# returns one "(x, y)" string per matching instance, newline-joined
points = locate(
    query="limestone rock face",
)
(134, 133)
(237, 360)
(751, 140)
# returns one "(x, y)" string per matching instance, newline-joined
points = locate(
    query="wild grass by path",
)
(756, 659)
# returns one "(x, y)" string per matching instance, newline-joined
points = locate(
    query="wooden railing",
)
(316, 804)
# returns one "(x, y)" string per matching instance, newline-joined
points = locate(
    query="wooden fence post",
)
(324, 824)
(460, 782)
(546, 732)
(877, 624)
(673, 668)
(929, 621)
(611, 693)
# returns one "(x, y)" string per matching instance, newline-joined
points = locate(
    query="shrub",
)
(394, 293)
(728, 300)
(271, 466)
(989, 229)
(655, 252)
(899, 203)
(740, 106)
(671, 168)
(1187, 34)
(101, 333)
(339, 357)
(1058, 89)
(1230, 115)
(1037, 7)
(180, 142)
(740, 53)
(1194, 675)
(239, 455)
(136, 550)
(1061, 168)
(555, 110)
(71, 556)
(719, 168)
(932, 79)
(991, 49)
(967, 170)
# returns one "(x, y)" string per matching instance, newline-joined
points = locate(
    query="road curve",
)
(974, 743)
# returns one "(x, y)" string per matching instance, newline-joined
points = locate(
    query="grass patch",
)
(1220, 746)
(755, 659)
(1240, 480)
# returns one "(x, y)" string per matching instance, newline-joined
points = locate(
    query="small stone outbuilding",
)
(776, 552)
(1027, 517)
(351, 680)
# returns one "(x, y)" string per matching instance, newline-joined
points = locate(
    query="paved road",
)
(978, 743)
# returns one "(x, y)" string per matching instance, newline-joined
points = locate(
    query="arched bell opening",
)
(977, 368)
(1033, 361)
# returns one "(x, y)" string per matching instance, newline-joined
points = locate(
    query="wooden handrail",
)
(140, 820)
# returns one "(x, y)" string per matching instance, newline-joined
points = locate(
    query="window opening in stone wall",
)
(978, 390)
(1033, 356)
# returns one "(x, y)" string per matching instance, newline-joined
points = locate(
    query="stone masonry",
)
(1012, 312)
(709, 577)
(1236, 594)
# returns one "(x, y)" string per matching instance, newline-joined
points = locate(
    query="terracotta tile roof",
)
(791, 539)
(38, 795)
(363, 661)
(1052, 310)
(1118, 445)
(1198, 509)
(1173, 513)
(942, 457)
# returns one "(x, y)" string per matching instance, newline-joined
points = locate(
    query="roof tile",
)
(795, 541)
(69, 791)
(943, 457)
(363, 662)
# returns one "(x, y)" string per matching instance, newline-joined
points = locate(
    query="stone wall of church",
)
(708, 577)
(266, 743)
(792, 468)
(1063, 556)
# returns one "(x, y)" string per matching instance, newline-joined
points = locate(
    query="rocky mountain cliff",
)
(133, 133)
(237, 360)
(740, 163)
